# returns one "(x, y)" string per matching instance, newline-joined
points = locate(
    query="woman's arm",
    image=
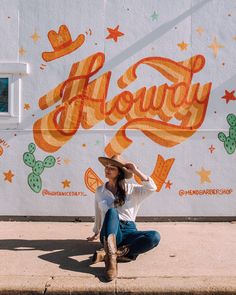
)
(97, 220)
(141, 175)
(134, 169)
(148, 185)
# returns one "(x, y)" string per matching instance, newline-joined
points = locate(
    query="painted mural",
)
(126, 77)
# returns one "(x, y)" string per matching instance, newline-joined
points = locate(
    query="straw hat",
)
(116, 160)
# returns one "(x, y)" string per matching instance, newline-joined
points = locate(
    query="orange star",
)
(211, 149)
(200, 30)
(229, 96)
(35, 36)
(8, 176)
(168, 184)
(183, 45)
(66, 183)
(204, 174)
(66, 161)
(114, 33)
(1, 150)
(215, 46)
(26, 106)
(22, 51)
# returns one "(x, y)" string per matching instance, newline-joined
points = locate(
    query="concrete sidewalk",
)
(54, 258)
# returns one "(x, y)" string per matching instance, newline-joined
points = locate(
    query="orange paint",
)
(83, 103)
(62, 43)
(160, 172)
(114, 33)
(92, 180)
(8, 176)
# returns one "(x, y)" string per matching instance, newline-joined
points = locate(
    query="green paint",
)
(154, 16)
(229, 141)
(34, 179)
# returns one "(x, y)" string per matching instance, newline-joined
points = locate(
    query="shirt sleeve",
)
(97, 220)
(145, 190)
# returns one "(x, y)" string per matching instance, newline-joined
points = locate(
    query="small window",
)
(4, 95)
(10, 93)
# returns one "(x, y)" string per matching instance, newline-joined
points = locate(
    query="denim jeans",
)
(126, 233)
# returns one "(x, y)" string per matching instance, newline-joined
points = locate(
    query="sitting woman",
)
(116, 206)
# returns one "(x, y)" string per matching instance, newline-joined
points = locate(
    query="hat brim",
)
(105, 161)
(48, 56)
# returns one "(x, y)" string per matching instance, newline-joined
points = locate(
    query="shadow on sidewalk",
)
(61, 253)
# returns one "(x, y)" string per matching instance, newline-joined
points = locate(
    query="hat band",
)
(65, 44)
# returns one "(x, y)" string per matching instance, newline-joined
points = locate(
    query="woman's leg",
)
(111, 225)
(141, 242)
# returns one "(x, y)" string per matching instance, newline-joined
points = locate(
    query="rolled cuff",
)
(149, 184)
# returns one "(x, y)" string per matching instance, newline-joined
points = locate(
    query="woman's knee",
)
(111, 211)
(155, 238)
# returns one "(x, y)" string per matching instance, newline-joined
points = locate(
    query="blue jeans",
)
(126, 233)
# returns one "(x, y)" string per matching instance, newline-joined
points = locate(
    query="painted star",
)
(168, 184)
(211, 149)
(200, 30)
(1, 150)
(204, 174)
(66, 161)
(114, 33)
(154, 16)
(8, 176)
(35, 36)
(215, 46)
(22, 51)
(229, 96)
(26, 106)
(66, 183)
(183, 45)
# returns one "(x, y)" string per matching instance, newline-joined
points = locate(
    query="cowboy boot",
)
(122, 254)
(98, 256)
(122, 251)
(110, 258)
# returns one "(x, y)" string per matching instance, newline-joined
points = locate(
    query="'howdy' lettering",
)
(84, 102)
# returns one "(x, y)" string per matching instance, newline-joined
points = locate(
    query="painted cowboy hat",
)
(62, 43)
(116, 160)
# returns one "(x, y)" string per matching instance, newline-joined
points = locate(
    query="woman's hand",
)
(131, 167)
(92, 238)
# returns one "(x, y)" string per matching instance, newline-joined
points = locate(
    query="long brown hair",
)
(121, 191)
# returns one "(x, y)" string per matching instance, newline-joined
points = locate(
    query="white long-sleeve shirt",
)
(136, 193)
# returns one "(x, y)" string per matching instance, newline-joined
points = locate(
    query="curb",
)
(60, 285)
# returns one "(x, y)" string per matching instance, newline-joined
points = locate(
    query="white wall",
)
(205, 177)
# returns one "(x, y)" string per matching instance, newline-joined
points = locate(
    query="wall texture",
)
(151, 80)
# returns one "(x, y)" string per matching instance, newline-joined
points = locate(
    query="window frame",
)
(14, 73)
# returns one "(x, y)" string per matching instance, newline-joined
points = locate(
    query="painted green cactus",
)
(34, 179)
(35, 182)
(229, 141)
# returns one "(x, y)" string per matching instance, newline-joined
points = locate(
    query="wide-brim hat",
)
(116, 160)
(72, 46)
